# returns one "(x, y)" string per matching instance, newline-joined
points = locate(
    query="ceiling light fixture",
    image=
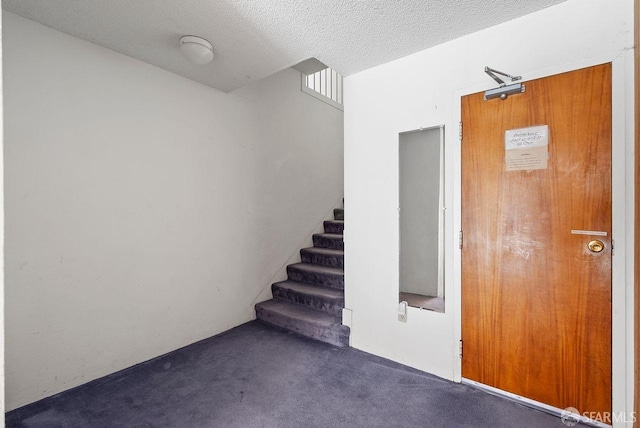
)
(196, 49)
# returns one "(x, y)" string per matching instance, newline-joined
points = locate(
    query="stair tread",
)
(330, 235)
(328, 240)
(325, 251)
(316, 290)
(292, 310)
(335, 221)
(317, 268)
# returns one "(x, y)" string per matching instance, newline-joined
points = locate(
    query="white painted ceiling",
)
(253, 39)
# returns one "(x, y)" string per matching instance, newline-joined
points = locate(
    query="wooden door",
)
(536, 301)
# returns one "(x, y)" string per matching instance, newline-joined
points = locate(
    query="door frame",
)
(636, 247)
(622, 219)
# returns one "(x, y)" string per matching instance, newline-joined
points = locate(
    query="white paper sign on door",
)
(527, 149)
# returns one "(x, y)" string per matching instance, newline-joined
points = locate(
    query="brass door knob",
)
(596, 246)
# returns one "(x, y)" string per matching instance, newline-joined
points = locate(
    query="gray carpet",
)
(259, 376)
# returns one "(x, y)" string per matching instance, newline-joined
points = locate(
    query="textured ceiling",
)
(256, 38)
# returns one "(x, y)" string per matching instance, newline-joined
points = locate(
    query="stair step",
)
(323, 256)
(328, 240)
(338, 214)
(307, 322)
(329, 300)
(334, 226)
(317, 275)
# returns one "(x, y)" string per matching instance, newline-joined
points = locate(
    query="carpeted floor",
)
(259, 376)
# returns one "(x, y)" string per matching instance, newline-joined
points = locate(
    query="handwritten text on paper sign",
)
(526, 149)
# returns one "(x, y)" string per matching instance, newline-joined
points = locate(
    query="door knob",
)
(596, 246)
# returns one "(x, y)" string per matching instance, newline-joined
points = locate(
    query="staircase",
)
(311, 300)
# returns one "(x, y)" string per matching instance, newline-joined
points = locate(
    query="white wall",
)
(144, 211)
(424, 90)
(2, 378)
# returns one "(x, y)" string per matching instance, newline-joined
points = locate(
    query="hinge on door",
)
(460, 130)
(460, 239)
(460, 348)
(613, 247)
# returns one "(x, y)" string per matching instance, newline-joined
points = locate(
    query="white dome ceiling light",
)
(196, 49)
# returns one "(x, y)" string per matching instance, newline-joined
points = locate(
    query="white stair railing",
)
(326, 85)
